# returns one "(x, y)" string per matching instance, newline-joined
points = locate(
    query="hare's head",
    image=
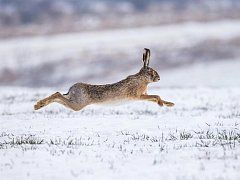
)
(148, 73)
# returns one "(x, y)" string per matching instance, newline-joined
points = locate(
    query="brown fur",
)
(134, 87)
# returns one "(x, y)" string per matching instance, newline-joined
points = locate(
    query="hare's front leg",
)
(157, 99)
(169, 104)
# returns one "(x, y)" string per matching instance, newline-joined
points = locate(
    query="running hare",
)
(134, 87)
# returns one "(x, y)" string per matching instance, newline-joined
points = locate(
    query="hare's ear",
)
(146, 57)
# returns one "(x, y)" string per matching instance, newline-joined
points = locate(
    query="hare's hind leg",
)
(44, 102)
(157, 99)
(59, 98)
(68, 103)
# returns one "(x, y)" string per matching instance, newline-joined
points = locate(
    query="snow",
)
(32, 51)
(214, 74)
(199, 138)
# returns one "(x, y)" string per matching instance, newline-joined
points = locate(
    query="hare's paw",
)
(36, 107)
(160, 103)
(169, 104)
(39, 105)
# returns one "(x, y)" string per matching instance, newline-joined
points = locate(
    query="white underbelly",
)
(116, 102)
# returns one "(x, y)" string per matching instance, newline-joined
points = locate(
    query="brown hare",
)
(134, 87)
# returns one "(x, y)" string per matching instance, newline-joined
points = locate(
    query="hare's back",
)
(87, 93)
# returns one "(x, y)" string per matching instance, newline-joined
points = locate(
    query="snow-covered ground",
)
(106, 56)
(221, 74)
(32, 51)
(199, 138)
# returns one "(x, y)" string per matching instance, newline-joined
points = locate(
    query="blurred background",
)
(55, 43)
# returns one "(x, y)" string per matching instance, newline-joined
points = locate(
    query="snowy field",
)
(31, 51)
(199, 138)
(104, 56)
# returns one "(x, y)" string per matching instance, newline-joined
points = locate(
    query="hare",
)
(134, 87)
